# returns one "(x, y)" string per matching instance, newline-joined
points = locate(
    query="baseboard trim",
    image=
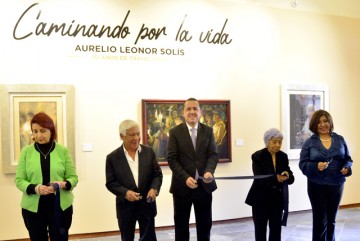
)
(116, 233)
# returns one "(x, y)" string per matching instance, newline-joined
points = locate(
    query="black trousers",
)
(270, 215)
(325, 201)
(142, 212)
(202, 202)
(42, 225)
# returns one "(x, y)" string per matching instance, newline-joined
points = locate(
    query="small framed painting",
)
(299, 102)
(19, 103)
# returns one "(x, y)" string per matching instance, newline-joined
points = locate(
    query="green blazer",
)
(29, 172)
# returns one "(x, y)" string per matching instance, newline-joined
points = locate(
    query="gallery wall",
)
(252, 51)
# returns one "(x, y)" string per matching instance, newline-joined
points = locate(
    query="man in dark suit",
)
(134, 176)
(187, 162)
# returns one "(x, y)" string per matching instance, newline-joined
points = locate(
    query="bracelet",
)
(37, 189)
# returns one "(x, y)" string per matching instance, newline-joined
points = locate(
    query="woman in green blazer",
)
(46, 176)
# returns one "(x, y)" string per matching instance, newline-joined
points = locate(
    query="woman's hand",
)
(281, 178)
(62, 184)
(344, 171)
(45, 190)
(322, 166)
(285, 173)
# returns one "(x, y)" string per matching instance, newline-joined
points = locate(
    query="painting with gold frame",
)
(158, 116)
(19, 104)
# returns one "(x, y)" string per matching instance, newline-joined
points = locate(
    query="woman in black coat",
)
(266, 194)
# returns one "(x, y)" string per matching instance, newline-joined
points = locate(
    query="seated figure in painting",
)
(219, 128)
(305, 132)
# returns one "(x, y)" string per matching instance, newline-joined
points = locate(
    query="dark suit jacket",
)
(262, 190)
(119, 178)
(183, 160)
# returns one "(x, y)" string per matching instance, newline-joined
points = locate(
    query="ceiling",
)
(346, 8)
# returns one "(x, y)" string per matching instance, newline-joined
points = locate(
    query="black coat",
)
(263, 191)
(184, 160)
(119, 178)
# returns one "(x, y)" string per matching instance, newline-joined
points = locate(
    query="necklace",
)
(326, 139)
(48, 151)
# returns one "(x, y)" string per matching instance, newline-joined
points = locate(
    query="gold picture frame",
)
(19, 103)
(158, 116)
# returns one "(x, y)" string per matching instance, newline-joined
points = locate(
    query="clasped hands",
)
(192, 183)
(49, 189)
(132, 196)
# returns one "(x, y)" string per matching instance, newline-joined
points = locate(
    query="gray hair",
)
(126, 125)
(272, 133)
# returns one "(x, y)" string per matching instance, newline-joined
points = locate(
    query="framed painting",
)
(158, 116)
(299, 102)
(19, 104)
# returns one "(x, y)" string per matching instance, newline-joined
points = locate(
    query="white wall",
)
(270, 47)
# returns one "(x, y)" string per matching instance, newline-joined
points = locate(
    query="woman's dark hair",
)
(44, 121)
(313, 125)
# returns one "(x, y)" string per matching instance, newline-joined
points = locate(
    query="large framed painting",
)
(299, 102)
(158, 116)
(19, 103)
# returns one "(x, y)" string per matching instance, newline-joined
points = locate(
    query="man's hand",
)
(132, 196)
(208, 177)
(191, 183)
(152, 193)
